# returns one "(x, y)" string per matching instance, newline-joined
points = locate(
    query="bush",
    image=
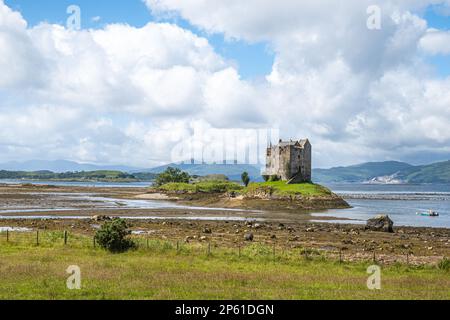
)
(172, 175)
(444, 264)
(113, 236)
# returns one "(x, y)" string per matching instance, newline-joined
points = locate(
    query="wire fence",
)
(45, 238)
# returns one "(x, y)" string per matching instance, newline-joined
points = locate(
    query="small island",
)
(287, 185)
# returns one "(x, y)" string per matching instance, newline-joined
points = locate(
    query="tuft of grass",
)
(444, 264)
(202, 187)
(281, 188)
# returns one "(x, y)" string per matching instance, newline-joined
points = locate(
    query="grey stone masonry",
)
(290, 161)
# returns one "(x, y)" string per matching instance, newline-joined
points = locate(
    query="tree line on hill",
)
(101, 175)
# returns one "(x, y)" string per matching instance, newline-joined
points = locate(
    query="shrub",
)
(172, 175)
(113, 236)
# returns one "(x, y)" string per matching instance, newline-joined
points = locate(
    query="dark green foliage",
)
(245, 179)
(444, 264)
(172, 175)
(273, 178)
(113, 236)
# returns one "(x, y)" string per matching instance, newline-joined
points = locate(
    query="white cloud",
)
(436, 42)
(333, 79)
(122, 94)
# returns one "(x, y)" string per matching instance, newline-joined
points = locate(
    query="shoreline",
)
(224, 227)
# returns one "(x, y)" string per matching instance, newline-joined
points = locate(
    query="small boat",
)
(429, 213)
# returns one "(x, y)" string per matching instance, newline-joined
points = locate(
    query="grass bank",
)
(160, 272)
(278, 188)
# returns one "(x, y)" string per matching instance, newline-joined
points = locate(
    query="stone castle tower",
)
(290, 161)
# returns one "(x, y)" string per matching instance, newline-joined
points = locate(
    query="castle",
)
(290, 161)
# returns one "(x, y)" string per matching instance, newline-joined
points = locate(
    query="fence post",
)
(93, 239)
(274, 250)
(374, 257)
(407, 258)
(65, 237)
(239, 250)
(340, 256)
(7, 235)
(178, 246)
(37, 237)
(209, 249)
(148, 244)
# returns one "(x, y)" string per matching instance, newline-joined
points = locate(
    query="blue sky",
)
(253, 60)
(438, 20)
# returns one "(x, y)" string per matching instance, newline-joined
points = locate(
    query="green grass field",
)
(160, 272)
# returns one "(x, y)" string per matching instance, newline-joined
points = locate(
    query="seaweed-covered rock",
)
(380, 223)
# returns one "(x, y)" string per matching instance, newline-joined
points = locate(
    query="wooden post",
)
(239, 248)
(148, 244)
(274, 250)
(209, 248)
(65, 237)
(178, 246)
(374, 257)
(340, 256)
(37, 237)
(94, 242)
(7, 235)
(407, 258)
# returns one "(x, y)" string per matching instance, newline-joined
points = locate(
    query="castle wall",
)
(288, 161)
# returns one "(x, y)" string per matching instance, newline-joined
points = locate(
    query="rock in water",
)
(380, 223)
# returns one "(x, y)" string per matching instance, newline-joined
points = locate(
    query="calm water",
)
(400, 202)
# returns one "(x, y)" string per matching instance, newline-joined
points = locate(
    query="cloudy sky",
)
(140, 77)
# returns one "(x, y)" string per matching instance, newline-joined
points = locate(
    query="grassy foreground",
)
(161, 273)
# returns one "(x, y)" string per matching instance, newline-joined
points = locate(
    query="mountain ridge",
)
(393, 172)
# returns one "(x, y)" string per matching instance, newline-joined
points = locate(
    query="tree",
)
(172, 175)
(113, 236)
(245, 179)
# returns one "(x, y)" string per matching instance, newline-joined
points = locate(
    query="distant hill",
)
(60, 166)
(102, 175)
(385, 172)
(433, 173)
(232, 171)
